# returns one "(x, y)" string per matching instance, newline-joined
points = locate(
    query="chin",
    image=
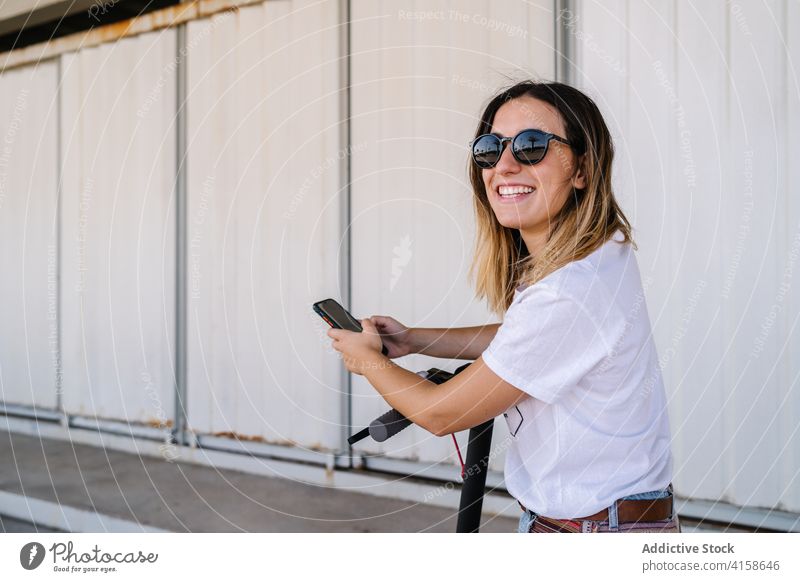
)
(510, 220)
(516, 224)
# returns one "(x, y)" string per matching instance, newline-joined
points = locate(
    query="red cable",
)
(460, 458)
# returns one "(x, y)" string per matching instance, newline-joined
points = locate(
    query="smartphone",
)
(337, 316)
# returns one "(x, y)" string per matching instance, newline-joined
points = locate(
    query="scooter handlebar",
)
(387, 425)
(392, 422)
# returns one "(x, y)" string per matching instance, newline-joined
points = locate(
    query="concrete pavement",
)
(152, 493)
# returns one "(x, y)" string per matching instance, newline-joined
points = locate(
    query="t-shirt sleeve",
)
(546, 344)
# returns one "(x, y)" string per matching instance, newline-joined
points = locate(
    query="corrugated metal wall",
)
(421, 73)
(703, 100)
(701, 97)
(117, 229)
(28, 231)
(263, 219)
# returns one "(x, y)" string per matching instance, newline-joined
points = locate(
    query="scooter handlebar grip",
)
(387, 425)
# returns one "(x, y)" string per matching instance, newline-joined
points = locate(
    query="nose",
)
(507, 164)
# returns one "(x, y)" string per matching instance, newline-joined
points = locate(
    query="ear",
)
(579, 177)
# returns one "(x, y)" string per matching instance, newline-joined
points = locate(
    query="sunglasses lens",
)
(486, 151)
(530, 146)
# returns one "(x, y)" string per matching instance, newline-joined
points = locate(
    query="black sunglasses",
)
(529, 147)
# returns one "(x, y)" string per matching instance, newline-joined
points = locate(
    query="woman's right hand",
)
(394, 335)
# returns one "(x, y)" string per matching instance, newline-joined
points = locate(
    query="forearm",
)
(464, 343)
(405, 391)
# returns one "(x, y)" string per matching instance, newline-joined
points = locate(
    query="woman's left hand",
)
(360, 351)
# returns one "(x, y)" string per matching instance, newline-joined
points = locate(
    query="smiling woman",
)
(573, 365)
(572, 210)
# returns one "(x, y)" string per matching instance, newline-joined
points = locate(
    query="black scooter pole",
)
(477, 465)
(478, 452)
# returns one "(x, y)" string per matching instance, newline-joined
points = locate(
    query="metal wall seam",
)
(565, 41)
(58, 250)
(181, 389)
(344, 209)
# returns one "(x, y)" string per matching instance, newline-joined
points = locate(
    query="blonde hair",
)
(587, 220)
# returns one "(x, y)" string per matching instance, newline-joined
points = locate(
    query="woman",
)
(573, 366)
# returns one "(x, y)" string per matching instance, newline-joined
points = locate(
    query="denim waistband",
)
(655, 494)
(612, 509)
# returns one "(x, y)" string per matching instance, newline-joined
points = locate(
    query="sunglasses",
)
(529, 147)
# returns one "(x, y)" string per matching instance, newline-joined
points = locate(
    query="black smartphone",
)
(337, 316)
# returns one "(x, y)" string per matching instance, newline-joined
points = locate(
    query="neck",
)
(534, 240)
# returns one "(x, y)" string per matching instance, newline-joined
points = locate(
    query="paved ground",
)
(10, 525)
(187, 497)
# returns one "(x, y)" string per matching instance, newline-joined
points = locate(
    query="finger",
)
(338, 333)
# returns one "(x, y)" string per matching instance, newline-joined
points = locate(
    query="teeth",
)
(513, 190)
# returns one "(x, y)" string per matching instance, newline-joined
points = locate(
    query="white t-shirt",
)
(596, 428)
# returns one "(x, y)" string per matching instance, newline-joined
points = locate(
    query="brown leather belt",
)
(632, 510)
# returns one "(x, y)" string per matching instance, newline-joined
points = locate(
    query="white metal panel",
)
(118, 236)
(29, 358)
(421, 73)
(701, 120)
(263, 222)
(789, 371)
(753, 320)
(701, 163)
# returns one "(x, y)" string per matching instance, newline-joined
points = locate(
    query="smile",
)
(514, 192)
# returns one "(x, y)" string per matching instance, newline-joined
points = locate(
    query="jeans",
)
(528, 517)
